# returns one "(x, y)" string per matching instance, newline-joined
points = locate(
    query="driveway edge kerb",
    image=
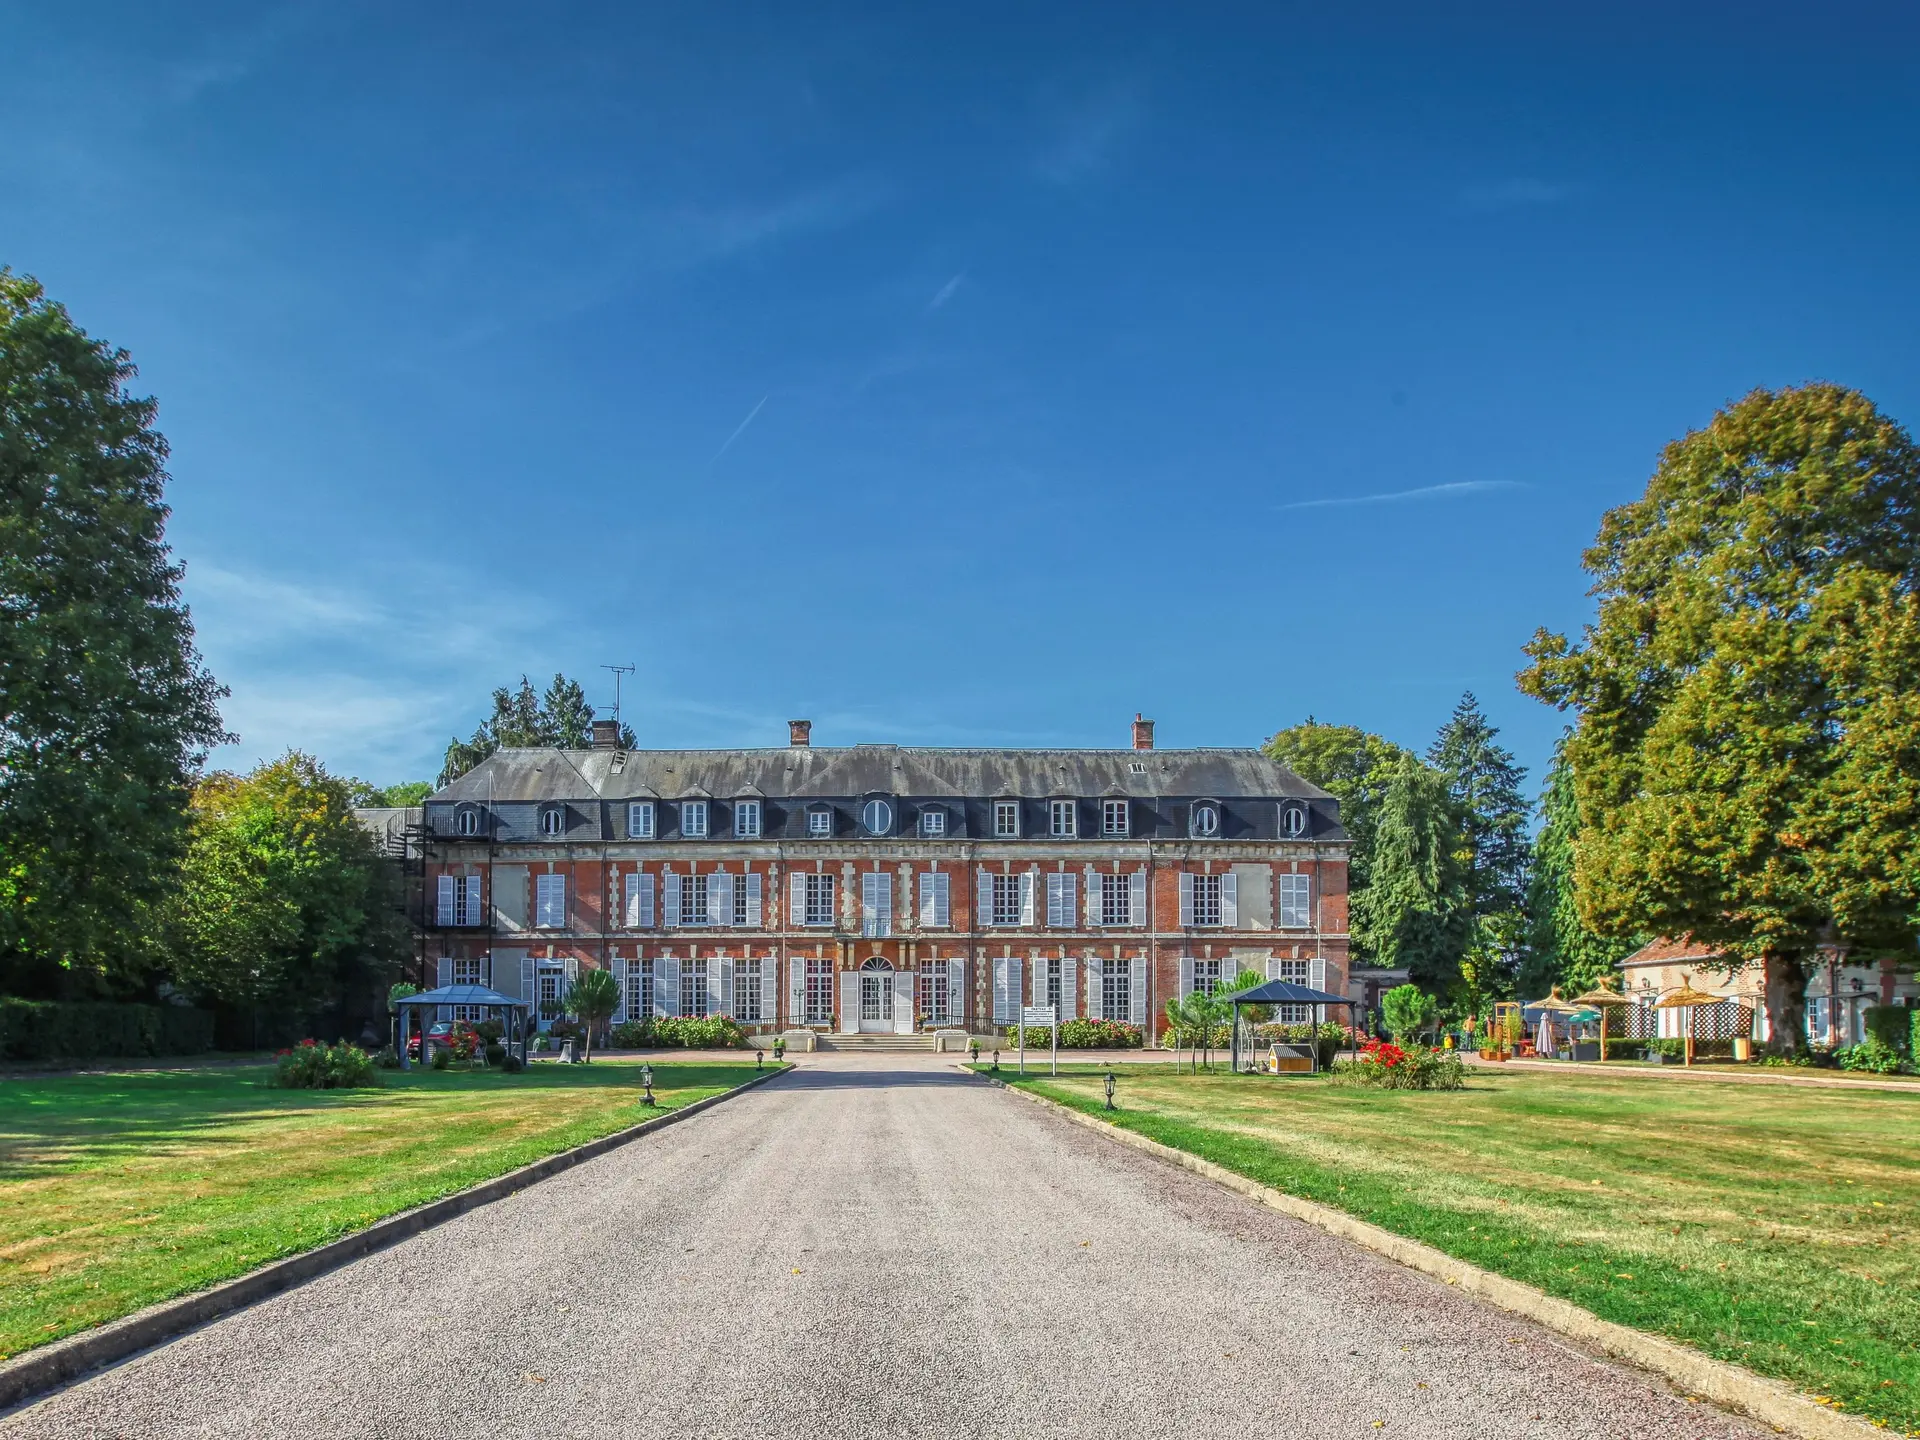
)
(49, 1367)
(1726, 1385)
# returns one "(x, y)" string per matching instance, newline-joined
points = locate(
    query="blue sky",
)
(954, 377)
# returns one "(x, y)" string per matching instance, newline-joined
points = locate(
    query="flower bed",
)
(1384, 1064)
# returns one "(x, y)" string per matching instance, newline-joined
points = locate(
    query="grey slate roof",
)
(806, 772)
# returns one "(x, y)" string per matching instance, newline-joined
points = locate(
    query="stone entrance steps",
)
(878, 1044)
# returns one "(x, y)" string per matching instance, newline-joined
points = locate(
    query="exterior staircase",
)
(878, 1044)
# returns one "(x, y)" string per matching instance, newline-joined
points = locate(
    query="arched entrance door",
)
(876, 997)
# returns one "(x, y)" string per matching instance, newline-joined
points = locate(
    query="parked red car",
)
(438, 1033)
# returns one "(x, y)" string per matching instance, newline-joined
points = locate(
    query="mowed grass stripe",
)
(1779, 1230)
(117, 1191)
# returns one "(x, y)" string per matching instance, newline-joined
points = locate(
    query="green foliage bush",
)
(1409, 1011)
(1083, 1035)
(442, 1057)
(61, 1030)
(1416, 1067)
(1872, 1056)
(687, 1032)
(313, 1066)
(1892, 1025)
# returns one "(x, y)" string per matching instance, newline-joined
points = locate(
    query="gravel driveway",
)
(872, 1246)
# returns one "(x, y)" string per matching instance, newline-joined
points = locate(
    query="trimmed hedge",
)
(1894, 1026)
(87, 1030)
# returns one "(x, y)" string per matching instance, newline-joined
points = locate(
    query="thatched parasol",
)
(1552, 1005)
(1603, 1000)
(1685, 998)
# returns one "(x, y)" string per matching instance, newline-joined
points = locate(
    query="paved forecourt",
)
(872, 1246)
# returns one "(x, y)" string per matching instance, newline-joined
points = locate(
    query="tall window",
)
(1206, 976)
(693, 988)
(467, 971)
(1113, 818)
(876, 903)
(466, 900)
(1206, 899)
(933, 822)
(693, 819)
(1295, 908)
(746, 991)
(1049, 984)
(1294, 972)
(820, 823)
(640, 820)
(1006, 819)
(553, 822)
(746, 819)
(819, 994)
(552, 983)
(1116, 989)
(639, 897)
(639, 988)
(818, 907)
(1006, 900)
(693, 901)
(746, 900)
(932, 991)
(467, 822)
(549, 901)
(1116, 899)
(1063, 821)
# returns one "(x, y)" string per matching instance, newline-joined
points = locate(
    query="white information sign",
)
(1041, 1017)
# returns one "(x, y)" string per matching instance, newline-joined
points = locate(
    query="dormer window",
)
(1293, 820)
(466, 821)
(1205, 820)
(1113, 819)
(876, 817)
(693, 819)
(553, 822)
(746, 819)
(640, 820)
(1063, 820)
(820, 823)
(933, 823)
(1006, 819)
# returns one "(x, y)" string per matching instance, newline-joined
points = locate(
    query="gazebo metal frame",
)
(473, 997)
(1285, 992)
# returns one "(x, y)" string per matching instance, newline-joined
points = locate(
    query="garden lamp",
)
(646, 1079)
(759, 1057)
(996, 1059)
(1109, 1087)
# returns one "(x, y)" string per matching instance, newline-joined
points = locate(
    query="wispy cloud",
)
(945, 292)
(1516, 194)
(1088, 131)
(739, 430)
(1425, 492)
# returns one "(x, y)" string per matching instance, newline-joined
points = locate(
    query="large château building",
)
(883, 888)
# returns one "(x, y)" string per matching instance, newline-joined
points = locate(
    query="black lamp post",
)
(1110, 1104)
(646, 1079)
(759, 1057)
(996, 1059)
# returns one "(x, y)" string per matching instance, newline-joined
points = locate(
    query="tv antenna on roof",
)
(618, 671)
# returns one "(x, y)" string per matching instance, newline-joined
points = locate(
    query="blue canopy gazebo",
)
(1285, 992)
(513, 1014)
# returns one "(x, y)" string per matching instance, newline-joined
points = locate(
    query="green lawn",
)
(1768, 1225)
(120, 1190)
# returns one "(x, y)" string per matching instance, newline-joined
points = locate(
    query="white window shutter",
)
(1003, 977)
(1053, 899)
(1273, 968)
(942, 900)
(631, 915)
(666, 986)
(673, 900)
(1317, 972)
(720, 899)
(849, 1002)
(1015, 987)
(529, 986)
(756, 909)
(620, 989)
(444, 907)
(959, 1011)
(1094, 916)
(646, 902)
(1094, 988)
(720, 985)
(796, 989)
(983, 912)
(1186, 976)
(1067, 969)
(796, 901)
(926, 899)
(1230, 900)
(1186, 899)
(1026, 898)
(1138, 984)
(1068, 891)
(769, 990)
(1138, 889)
(445, 971)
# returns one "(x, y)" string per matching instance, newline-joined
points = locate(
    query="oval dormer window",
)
(1293, 821)
(1206, 819)
(553, 822)
(876, 817)
(466, 821)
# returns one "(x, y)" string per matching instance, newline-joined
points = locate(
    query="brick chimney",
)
(800, 733)
(606, 734)
(1142, 732)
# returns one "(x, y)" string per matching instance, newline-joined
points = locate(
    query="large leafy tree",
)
(285, 907)
(1356, 767)
(1726, 691)
(1561, 950)
(523, 719)
(105, 709)
(1415, 909)
(1484, 782)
